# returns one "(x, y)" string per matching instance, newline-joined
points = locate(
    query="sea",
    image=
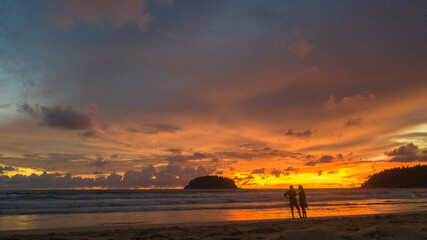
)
(48, 209)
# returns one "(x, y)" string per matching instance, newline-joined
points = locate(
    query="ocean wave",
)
(94, 201)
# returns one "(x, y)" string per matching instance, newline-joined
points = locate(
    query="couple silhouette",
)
(292, 196)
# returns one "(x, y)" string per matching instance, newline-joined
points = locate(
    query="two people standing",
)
(291, 195)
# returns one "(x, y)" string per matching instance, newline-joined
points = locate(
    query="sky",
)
(151, 94)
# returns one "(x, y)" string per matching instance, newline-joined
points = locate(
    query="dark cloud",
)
(4, 169)
(407, 153)
(290, 169)
(26, 108)
(249, 177)
(354, 122)
(169, 176)
(59, 157)
(173, 150)
(306, 133)
(134, 130)
(258, 171)
(89, 133)
(174, 176)
(65, 118)
(276, 172)
(253, 146)
(100, 162)
(325, 159)
(333, 171)
(408, 149)
(160, 128)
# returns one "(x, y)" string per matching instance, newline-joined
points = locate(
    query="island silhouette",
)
(400, 177)
(211, 182)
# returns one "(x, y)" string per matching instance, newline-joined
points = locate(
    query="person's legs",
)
(298, 211)
(304, 214)
(292, 211)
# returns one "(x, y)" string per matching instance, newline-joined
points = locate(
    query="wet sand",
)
(385, 226)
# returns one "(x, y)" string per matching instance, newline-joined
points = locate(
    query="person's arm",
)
(286, 195)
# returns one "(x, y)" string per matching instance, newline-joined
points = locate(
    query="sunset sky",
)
(151, 94)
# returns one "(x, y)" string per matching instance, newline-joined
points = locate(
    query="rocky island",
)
(211, 182)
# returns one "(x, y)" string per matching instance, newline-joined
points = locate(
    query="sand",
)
(387, 226)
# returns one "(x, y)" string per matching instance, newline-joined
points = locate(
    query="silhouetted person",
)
(292, 196)
(302, 201)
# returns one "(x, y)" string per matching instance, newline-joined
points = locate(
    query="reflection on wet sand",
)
(21, 222)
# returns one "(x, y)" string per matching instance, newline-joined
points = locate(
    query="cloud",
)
(306, 133)
(350, 102)
(249, 153)
(159, 128)
(65, 118)
(32, 111)
(7, 105)
(407, 153)
(290, 169)
(258, 171)
(354, 122)
(408, 149)
(134, 130)
(99, 162)
(173, 150)
(276, 172)
(4, 169)
(89, 133)
(184, 158)
(169, 176)
(115, 13)
(325, 159)
(300, 48)
(249, 177)
(333, 171)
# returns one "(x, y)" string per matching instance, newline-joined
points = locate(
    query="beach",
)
(378, 226)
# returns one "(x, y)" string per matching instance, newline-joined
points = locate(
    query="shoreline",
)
(125, 230)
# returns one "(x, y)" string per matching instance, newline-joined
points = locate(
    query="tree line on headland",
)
(400, 177)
